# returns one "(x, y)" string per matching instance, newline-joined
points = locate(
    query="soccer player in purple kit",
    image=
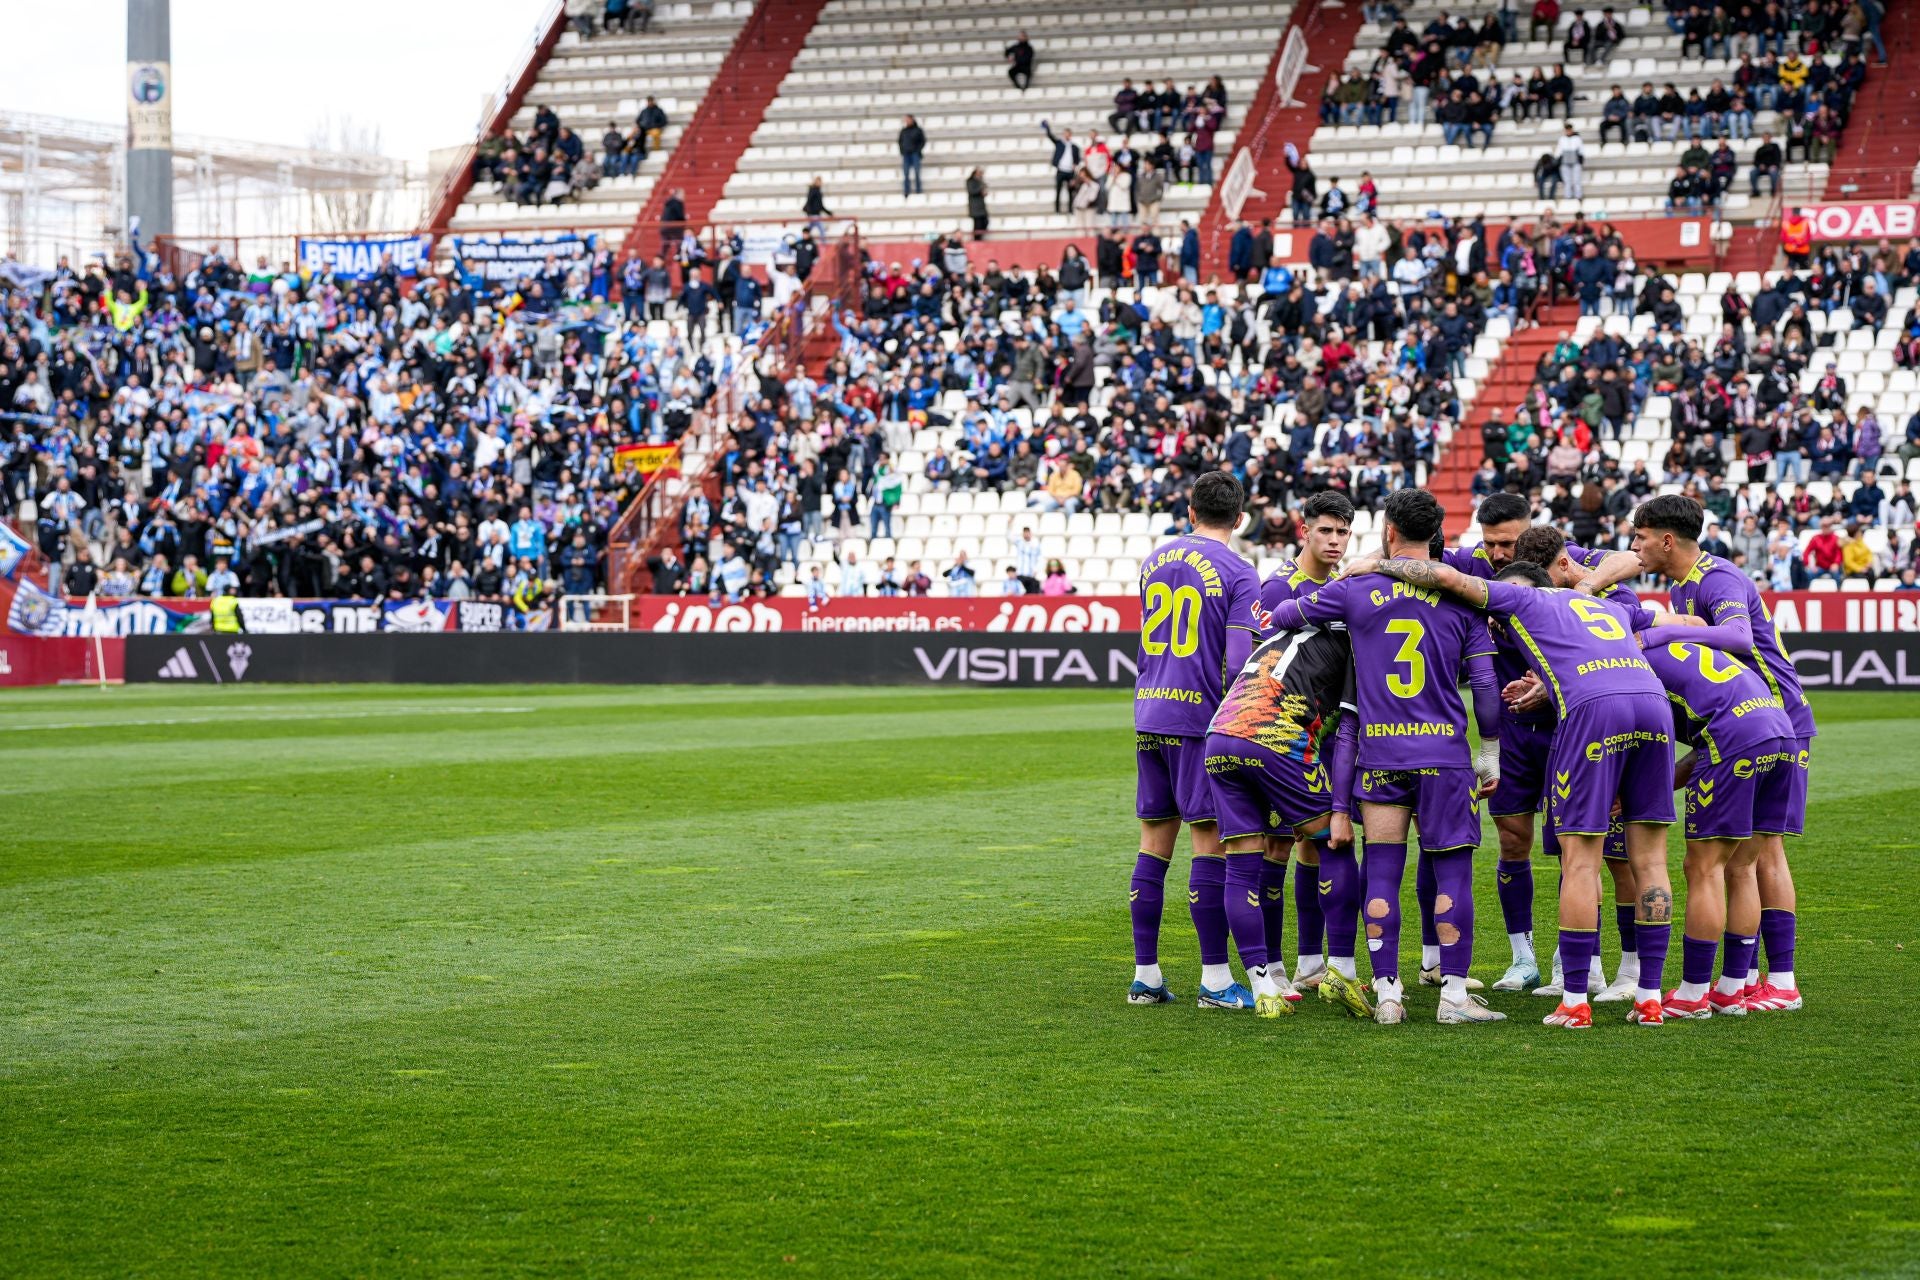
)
(1614, 743)
(1265, 761)
(1667, 540)
(1200, 615)
(1737, 780)
(1505, 518)
(1414, 764)
(1523, 781)
(1326, 521)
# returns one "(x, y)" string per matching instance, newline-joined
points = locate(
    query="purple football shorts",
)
(1723, 799)
(1524, 749)
(1781, 810)
(1257, 791)
(1444, 803)
(1612, 748)
(1171, 778)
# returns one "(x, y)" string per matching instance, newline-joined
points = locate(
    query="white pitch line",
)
(327, 715)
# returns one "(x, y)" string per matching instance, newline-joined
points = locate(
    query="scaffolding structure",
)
(63, 191)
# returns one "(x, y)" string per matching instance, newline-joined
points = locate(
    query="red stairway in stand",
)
(714, 140)
(1329, 28)
(1505, 388)
(1882, 142)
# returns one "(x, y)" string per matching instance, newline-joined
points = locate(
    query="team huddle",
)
(1276, 720)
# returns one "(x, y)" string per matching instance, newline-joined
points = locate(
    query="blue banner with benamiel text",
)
(356, 259)
(512, 257)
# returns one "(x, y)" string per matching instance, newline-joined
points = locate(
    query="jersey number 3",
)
(1182, 605)
(1411, 633)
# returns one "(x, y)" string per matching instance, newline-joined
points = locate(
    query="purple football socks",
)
(1515, 883)
(1696, 959)
(1453, 910)
(1739, 952)
(1576, 958)
(1309, 924)
(1652, 941)
(1144, 900)
(1386, 867)
(1623, 920)
(1273, 905)
(1206, 902)
(1244, 915)
(1777, 934)
(1340, 900)
(1425, 886)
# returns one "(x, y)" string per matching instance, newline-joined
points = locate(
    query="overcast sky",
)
(270, 71)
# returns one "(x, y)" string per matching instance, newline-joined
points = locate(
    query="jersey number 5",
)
(1411, 633)
(1182, 604)
(1599, 621)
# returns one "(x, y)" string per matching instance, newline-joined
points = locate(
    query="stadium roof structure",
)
(63, 188)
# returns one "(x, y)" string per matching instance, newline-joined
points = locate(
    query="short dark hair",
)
(1327, 503)
(1674, 513)
(1217, 500)
(1416, 514)
(1499, 508)
(1541, 545)
(1521, 571)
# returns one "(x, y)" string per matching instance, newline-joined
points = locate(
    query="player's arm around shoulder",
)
(1613, 568)
(1434, 575)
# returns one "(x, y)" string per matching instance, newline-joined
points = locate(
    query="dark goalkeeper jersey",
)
(1290, 693)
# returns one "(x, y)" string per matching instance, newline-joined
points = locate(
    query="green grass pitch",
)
(828, 982)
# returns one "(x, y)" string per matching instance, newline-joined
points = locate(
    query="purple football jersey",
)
(1471, 561)
(1721, 705)
(1718, 592)
(1583, 648)
(1409, 645)
(1192, 591)
(1288, 582)
(1509, 658)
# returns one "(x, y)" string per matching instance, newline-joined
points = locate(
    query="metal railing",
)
(655, 512)
(495, 115)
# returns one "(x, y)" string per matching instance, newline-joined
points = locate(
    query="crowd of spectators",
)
(1801, 480)
(1806, 61)
(309, 436)
(1342, 378)
(551, 164)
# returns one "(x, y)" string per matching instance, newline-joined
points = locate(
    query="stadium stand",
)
(591, 84)
(1421, 160)
(870, 64)
(965, 404)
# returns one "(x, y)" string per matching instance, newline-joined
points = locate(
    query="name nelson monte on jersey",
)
(1210, 581)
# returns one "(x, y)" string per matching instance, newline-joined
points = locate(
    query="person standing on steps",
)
(913, 144)
(1019, 56)
(977, 203)
(1066, 163)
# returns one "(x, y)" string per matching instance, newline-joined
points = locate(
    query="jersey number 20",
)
(1182, 604)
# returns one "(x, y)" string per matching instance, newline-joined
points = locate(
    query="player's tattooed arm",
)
(1656, 905)
(1436, 576)
(1618, 567)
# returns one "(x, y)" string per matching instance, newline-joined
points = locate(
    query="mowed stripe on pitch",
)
(353, 934)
